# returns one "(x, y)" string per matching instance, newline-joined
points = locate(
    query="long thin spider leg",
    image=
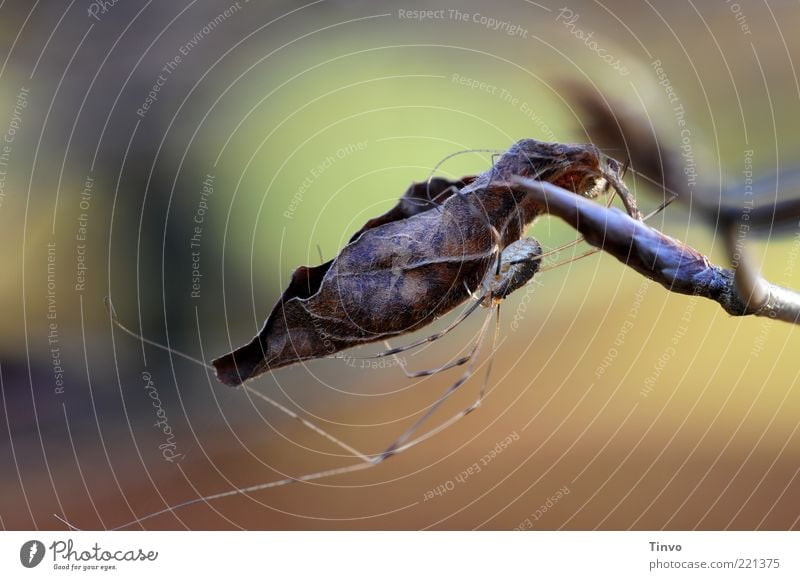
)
(366, 461)
(113, 314)
(433, 337)
(490, 363)
(611, 197)
(496, 237)
(493, 231)
(674, 265)
(457, 362)
(461, 414)
(446, 158)
(430, 338)
(428, 372)
(628, 200)
(305, 422)
(660, 208)
(580, 239)
(401, 444)
(625, 166)
(593, 251)
(435, 201)
(430, 201)
(585, 254)
(614, 193)
(393, 448)
(630, 204)
(241, 491)
(558, 249)
(655, 182)
(371, 461)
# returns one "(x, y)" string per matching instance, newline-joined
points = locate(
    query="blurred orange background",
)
(621, 406)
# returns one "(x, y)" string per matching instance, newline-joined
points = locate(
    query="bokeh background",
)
(623, 406)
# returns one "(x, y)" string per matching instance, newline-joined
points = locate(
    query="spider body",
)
(419, 261)
(519, 262)
(443, 244)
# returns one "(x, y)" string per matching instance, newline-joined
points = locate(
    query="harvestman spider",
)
(515, 265)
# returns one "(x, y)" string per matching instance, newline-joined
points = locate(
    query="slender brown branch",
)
(674, 265)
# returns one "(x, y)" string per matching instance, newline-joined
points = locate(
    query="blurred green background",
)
(311, 119)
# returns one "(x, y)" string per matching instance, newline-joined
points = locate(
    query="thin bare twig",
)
(674, 265)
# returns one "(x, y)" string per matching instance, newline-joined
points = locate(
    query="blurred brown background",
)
(625, 406)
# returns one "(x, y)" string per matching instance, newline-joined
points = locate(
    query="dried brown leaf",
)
(413, 264)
